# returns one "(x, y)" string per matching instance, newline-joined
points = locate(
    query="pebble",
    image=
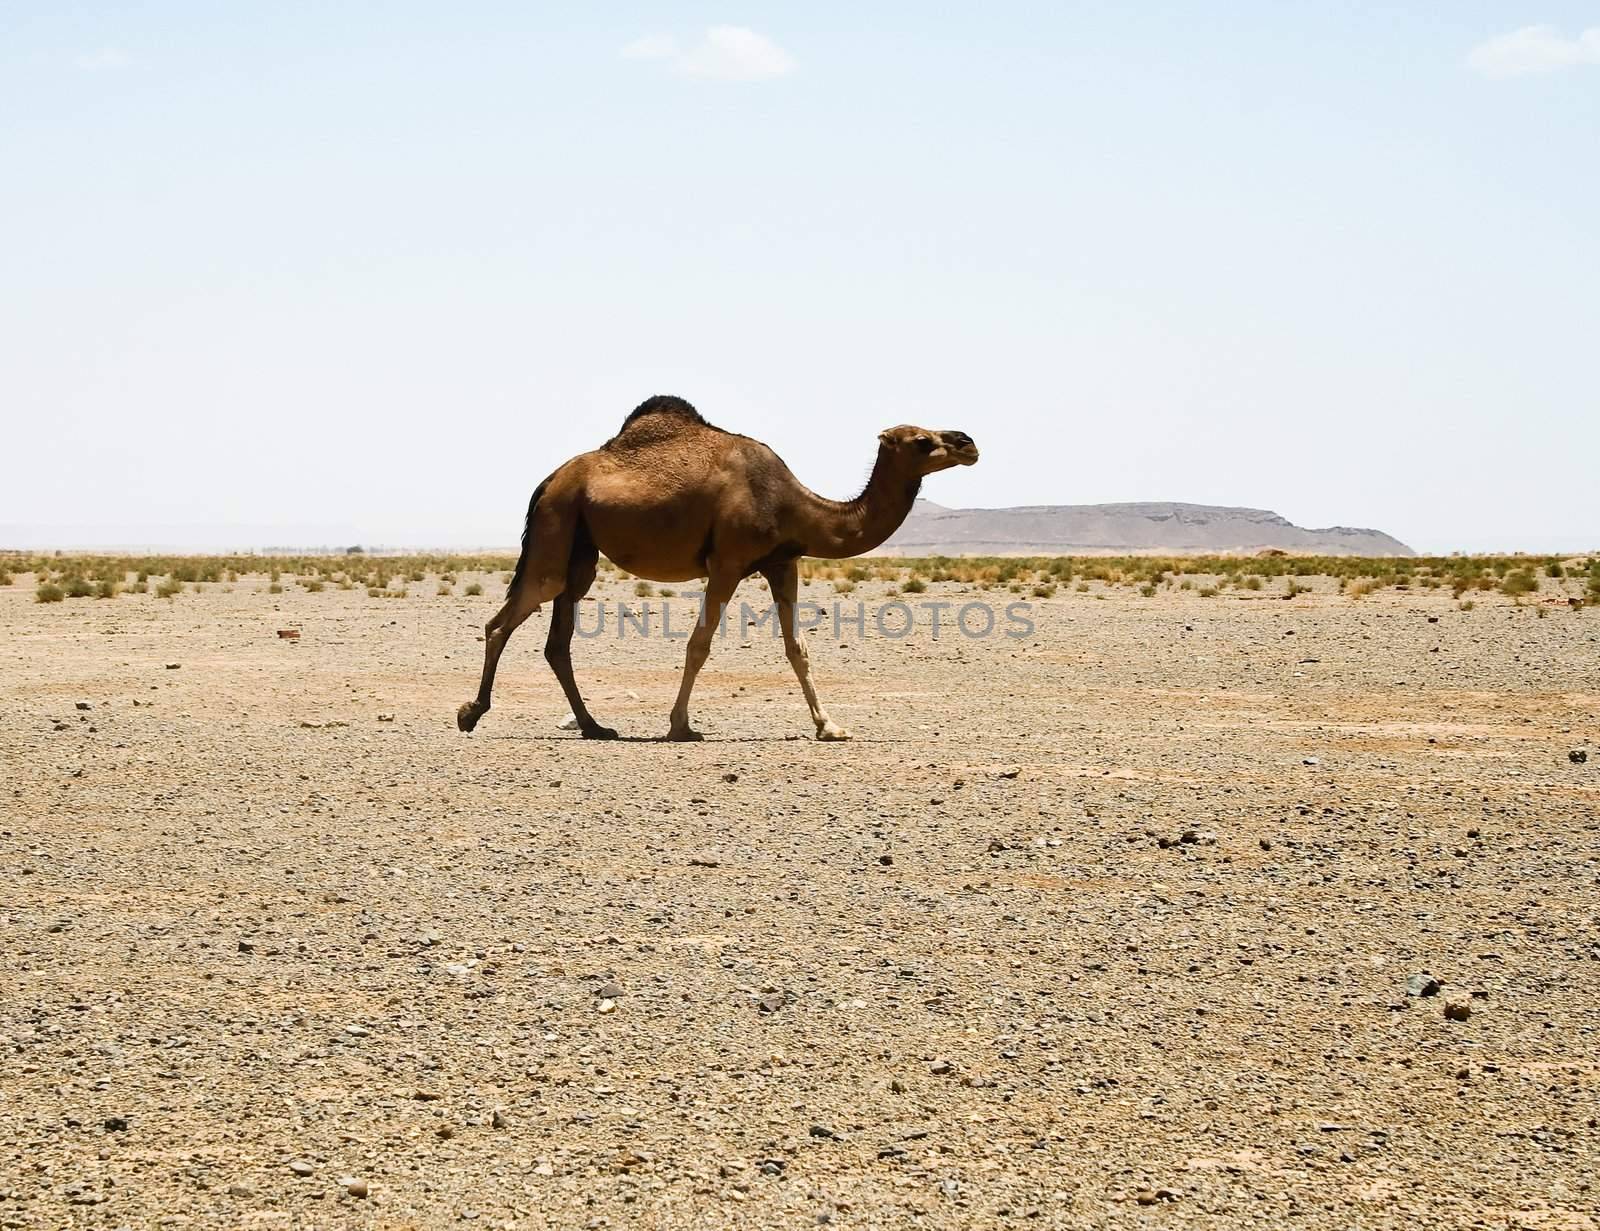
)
(1422, 984)
(704, 861)
(771, 1002)
(1457, 1010)
(240, 1190)
(940, 1067)
(608, 1006)
(353, 1185)
(497, 1118)
(84, 705)
(730, 777)
(1310, 761)
(301, 1168)
(610, 990)
(1578, 756)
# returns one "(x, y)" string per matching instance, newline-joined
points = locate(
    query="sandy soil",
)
(1109, 926)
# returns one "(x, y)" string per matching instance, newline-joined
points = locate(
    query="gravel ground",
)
(1183, 910)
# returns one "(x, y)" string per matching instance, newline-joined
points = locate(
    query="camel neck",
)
(836, 529)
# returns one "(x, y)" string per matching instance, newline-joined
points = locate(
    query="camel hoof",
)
(595, 731)
(832, 733)
(688, 735)
(467, 716)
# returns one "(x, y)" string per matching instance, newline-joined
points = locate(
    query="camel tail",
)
(527, 538)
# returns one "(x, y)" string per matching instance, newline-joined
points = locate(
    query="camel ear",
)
(883, 437)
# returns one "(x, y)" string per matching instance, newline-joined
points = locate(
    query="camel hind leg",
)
(563, 619)
(541, 576)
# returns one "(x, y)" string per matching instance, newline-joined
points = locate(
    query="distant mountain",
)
(1122, 529)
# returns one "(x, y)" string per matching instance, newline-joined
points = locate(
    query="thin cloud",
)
(1534, 49)
(103, 60)
(725, 53)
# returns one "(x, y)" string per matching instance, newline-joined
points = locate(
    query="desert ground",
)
(1224, 911)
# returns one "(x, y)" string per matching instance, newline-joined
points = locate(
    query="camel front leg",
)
(718, 591)
(785, 583)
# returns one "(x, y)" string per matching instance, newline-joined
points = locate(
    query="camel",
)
(672, 498)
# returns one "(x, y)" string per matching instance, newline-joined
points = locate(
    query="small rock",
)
(240, 1190)
(569, 723)
(1310, 761)
(301, 1168)
(445, 1131)
(1010, 772)
(353, 1185)
(824, 1132)
(608, 1006)
(704, 861)
(730, 777)
(609, 990)
(1422, 984)
(385, 717)
(1457, 1010)
(84, 705)
(886, 859)
(497, 1118)
(115, 1124)
(173, 666)
(941, 1067)
(772, 1002)
(1578, 756)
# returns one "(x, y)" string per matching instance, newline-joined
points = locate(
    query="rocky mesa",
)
(1144, 527)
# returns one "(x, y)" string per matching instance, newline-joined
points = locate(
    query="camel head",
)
(924, 450)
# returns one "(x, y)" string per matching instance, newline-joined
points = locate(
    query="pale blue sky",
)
(309, 272)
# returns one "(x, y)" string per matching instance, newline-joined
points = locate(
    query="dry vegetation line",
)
(1242, 892)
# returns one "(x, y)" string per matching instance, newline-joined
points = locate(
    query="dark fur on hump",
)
(665, 404)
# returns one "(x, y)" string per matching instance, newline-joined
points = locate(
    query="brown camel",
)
(671, 498)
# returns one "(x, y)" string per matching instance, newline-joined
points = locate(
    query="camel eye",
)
(925, 443)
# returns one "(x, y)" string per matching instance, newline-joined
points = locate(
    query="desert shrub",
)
(1554, 569)
(138, 587)
(1360, 589)
(374, 592)
(1149, 591)
(105, 589)
(415, 574)
(78, 587)
(49, 592)
(314, 586)
(1519, 582)
(843, 586)
(913, 585)
(275, 588)
(170, 588)
(1043, 591)
(473, 589)
(643, 589)
(1208, 591)
(443, 591)
(6, 578)
(1467, 604)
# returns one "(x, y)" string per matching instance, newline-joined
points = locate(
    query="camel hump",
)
(664, 404)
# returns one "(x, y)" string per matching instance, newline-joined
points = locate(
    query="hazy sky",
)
(311, 272)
